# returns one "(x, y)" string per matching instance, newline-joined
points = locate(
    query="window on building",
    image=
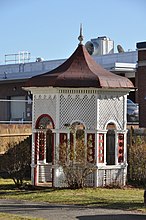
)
(17, 108)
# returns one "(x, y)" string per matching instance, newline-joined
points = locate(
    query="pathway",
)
(66, 212)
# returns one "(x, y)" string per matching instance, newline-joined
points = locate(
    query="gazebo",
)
(80, 94)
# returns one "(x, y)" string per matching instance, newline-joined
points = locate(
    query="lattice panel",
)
(110, 176)
(89, 181)
(111, 110)
(101, 177)
(78, 108)
(45, 105)
(114, 176)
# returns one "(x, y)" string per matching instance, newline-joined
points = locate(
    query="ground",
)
(66, 212)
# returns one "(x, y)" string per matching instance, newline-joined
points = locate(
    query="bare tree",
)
(74, 159)
(137, 160)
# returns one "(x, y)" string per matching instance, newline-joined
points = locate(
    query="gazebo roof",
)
(79, 71)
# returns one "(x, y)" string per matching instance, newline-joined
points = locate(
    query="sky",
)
(50, 28)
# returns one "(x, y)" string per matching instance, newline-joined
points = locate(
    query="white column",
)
(68, 145)
(37, 160)
(125, 157)
(105, 147)
(45, 134)
(33, 158)
(55, 181)
(33, 165)
(96, 157)
(116, 147)
(125, 111)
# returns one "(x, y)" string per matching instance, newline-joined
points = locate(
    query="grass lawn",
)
(4, 216)
(126, 199)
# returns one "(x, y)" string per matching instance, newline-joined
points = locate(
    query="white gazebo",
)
(79, 92)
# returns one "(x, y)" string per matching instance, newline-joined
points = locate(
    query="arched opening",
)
(110, 144)
(44, 138)
(44, 148)
(44, 121)
(79, 130)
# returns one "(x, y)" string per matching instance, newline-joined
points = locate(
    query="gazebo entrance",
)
(44, 149)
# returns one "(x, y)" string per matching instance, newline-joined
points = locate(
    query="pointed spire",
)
(80, 38)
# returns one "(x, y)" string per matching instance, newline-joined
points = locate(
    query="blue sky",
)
(50, 29)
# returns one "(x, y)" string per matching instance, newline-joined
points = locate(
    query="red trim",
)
(120, 148)
(101, 148)
(90, 148)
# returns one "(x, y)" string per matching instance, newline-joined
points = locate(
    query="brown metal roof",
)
(80, 70)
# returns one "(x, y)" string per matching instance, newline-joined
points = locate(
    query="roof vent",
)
(100, 46)
(39, 59)
(120, 49)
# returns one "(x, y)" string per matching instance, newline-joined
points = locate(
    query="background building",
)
(141, 82)
(18, 70)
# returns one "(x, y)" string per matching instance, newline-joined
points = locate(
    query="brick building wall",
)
(141, 82)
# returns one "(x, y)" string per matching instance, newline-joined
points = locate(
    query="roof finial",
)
(80, 38)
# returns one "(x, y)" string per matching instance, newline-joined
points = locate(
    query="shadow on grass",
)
(11, 189)
(112, 217)
(127, 206)
(7, 187)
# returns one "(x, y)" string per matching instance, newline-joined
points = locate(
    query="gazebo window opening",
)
(73, 149)
(80, 149)
(49, 146)
(110, 144)
(77, 142)
(63, 148)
